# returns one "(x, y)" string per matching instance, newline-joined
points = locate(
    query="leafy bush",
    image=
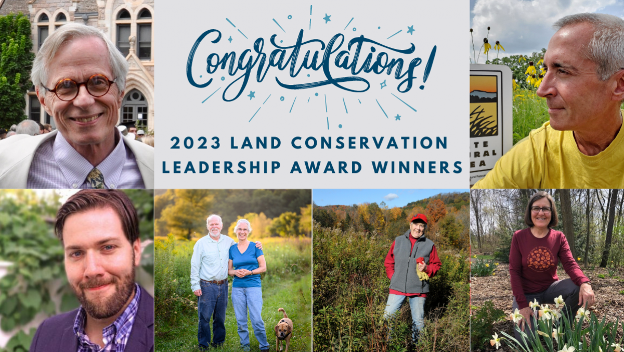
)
(482, 323)
(482, 267)
(351, 291)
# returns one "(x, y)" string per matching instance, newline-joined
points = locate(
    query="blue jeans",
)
(212, 303)
(244, 298)
(417, 305)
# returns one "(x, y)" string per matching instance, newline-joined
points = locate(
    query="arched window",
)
(123, 32)
(43, 29)
(144, 35)
(134, 108)
(60, 20)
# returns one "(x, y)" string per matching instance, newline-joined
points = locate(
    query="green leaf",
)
(69, 302)
(7, 324)
(31, 299)
(8, 306)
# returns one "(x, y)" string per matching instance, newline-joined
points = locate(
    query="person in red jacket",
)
(533, 259)
(408, 253)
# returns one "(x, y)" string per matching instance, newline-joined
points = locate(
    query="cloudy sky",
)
(524, 26)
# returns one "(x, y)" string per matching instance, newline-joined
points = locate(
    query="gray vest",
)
(405, 278)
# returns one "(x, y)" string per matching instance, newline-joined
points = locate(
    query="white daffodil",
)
(567, 349)
(581, 313)
(516, 316)
(556, 314)
(495, 340)
(559, 301)
(545, 313)
(616, 347)
(557, 334)
(599, 349)
(534, 305)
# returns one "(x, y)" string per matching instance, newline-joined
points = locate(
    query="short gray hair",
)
(214, 216)
(245, 221)
(28, 127)
(606, 47)
(66, 33)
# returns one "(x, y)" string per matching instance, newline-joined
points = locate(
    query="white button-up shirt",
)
(210, 259)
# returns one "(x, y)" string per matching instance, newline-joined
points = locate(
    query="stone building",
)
(128, 23)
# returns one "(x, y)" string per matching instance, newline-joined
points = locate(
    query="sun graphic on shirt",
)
(540, 259)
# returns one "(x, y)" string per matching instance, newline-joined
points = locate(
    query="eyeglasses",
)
(67, 89)
(545, 210)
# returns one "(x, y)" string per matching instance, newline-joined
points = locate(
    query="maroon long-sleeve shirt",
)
(533, 263)
(432, 267)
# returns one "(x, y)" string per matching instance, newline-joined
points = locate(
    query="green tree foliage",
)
(188, 212)
(15, 65)
(259, 224)
(286, 225)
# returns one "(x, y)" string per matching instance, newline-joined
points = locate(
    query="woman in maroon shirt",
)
(535, 253)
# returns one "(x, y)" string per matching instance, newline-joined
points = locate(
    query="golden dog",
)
(283, 331)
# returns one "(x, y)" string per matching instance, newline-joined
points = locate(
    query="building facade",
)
(127, 23)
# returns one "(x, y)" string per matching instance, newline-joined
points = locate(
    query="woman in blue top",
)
(247, 287)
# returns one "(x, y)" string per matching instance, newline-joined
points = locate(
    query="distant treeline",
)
(448, 214)
(184, 212)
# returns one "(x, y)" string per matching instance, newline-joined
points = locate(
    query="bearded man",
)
(99, 230)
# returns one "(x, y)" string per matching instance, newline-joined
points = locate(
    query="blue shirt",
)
(249, 261)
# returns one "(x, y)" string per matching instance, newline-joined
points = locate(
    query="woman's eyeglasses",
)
(544, 210)
(67, 89)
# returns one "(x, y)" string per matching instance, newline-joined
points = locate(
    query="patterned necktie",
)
(96, 179)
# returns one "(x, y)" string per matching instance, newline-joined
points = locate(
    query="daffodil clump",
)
(482, 267)
(556, 331)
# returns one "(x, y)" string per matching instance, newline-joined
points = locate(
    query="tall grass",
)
(529, 112)
(286, 284)
(351, 290)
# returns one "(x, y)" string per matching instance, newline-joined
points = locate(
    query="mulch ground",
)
(497, 288)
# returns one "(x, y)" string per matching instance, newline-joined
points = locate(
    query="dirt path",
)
(497, 288)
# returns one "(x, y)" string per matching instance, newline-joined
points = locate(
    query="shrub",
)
(482, 323)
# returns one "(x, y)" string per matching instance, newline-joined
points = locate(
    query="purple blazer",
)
(56, 334)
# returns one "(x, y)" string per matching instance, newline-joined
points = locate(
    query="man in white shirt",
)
(79, 76)
(209, 273)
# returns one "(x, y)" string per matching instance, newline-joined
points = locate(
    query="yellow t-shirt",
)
(550, 159)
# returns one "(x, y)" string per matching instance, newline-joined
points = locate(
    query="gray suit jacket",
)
(17, 153)
(56, 334)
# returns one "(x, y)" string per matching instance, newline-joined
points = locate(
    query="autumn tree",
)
(305, 224)
(15, 64)
(435, 210)
(259, 225)
(188, 213)
(607, 246)
(286, 225)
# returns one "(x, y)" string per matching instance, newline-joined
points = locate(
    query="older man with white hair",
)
(79, 76)
(209, 272)
(582, 146)
(28, 127)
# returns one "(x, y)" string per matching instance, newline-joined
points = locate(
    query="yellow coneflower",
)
(531, 69)
(486, 46)
(537, 84)
(498, 46)
(514, 84)
(521, 58)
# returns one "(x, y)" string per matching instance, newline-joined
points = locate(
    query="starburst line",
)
(310, 10)
(267, 99)
(243, 34)
(345, 104)
(395, 34)
(404, 102)
(327, 122)
(381, 108)
(230, 22)
(211, 94)
(255, 114)
(349, 23)
(279, 25)
(292, 105)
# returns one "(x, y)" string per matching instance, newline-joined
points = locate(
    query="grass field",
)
(286, 284)
(529, 112)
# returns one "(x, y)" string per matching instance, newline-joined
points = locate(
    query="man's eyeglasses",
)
(545, 210)
(67, 89)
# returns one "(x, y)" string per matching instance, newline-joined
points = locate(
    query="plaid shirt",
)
(115, 336)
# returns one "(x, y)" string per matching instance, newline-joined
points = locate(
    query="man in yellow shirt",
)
(580, 147)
